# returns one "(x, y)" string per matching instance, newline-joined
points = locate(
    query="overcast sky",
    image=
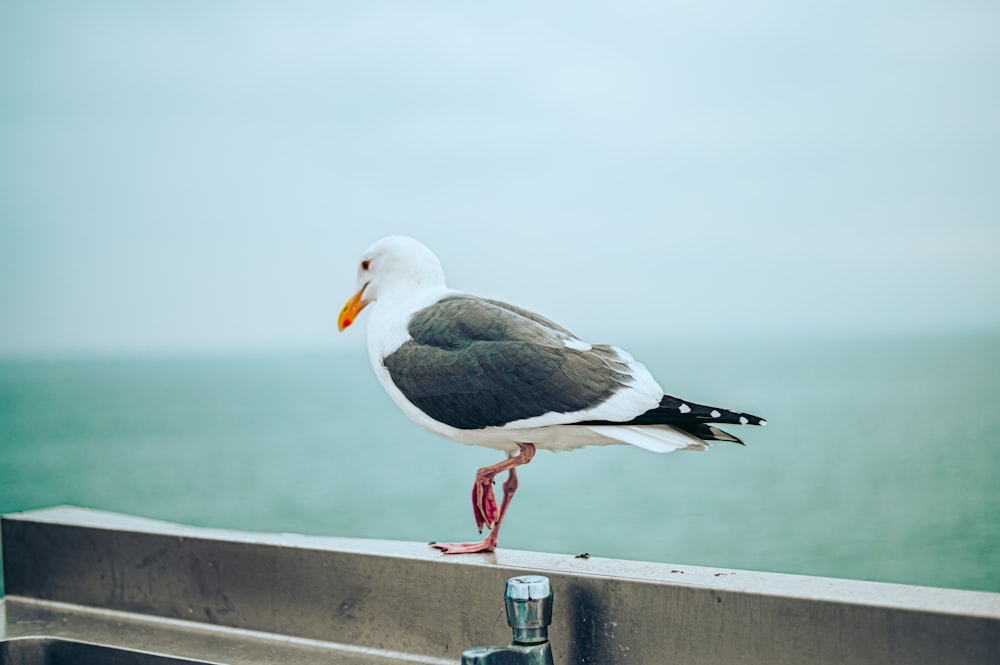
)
(189, 175)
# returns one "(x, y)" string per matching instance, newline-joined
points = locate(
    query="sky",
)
(205, 176)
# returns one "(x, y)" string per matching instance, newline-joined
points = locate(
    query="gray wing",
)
(475, 363)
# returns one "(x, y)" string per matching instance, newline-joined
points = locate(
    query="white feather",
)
(656, 438)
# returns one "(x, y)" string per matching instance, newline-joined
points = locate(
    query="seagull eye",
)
(366, 264)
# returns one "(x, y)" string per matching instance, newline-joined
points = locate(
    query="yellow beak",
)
(351, 309)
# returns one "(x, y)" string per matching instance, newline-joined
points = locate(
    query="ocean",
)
(880, 462)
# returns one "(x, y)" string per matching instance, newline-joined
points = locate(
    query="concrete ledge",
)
(408, 598)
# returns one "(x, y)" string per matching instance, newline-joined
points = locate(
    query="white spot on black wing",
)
(688, 416)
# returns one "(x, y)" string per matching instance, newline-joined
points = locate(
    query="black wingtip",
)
(674, 411)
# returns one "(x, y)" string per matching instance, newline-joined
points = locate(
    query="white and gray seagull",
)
(486, 373)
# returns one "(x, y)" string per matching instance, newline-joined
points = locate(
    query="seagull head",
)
(396, 266)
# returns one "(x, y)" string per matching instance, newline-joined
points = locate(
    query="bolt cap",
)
(528, 587)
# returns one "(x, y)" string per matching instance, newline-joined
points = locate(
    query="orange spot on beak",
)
(351, 309)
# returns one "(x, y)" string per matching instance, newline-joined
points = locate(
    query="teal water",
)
(881, 460)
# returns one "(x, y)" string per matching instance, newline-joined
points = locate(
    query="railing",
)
(231, 596)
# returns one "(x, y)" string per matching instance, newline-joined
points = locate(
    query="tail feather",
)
(658, 438)
(674, 411)
(690, 418)
(708, 433)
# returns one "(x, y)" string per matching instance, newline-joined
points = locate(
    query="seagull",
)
(486, 373)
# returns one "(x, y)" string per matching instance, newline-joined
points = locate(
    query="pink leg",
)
(484, 502)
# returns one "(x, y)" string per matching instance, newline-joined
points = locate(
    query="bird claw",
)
(487, 545)
(484, 504)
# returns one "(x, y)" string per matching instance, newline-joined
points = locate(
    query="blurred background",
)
(781, 208)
